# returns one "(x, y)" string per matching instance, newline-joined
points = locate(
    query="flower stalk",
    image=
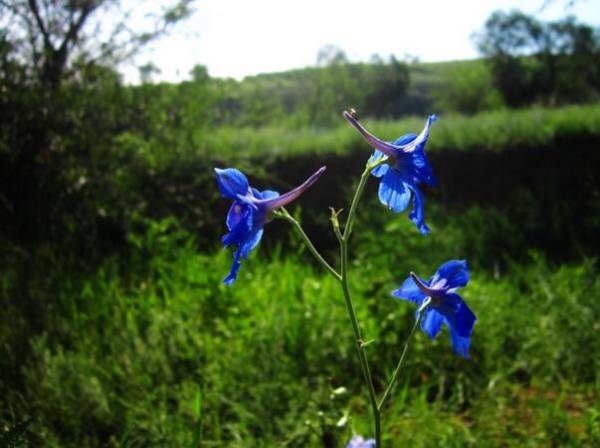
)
(360, 346)
(394, 377)
(284, 214)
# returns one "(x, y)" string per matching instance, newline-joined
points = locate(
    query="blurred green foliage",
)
(152, 350)
(313, 96)
(543, 62)
(468, 88)
(497, 130)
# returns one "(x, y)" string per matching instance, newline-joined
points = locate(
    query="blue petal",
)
(460, 345)
(242, 252)
(448, 304)
(233, 272)
(421, 168)
(241, 231)
(251, 242)
(452, 274)
(393, 191)
(465, 320)
(405, 139)
(421, 139)
(461, 324)
(417, 215)
(381, 169)
(267, 194)
(235, 267)
(411, 159)
(237, 212)
(410, 291)
(231, 182)
(432, 322)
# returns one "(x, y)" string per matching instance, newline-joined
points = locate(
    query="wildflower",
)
(407, 166)
(446, 306)
(250, 211)
(359, 442)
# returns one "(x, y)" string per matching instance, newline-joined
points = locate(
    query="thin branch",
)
(73, 33)
(33, 6)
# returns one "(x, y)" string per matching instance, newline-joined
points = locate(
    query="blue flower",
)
(446, 306)
(359, 442)
(250, 211)
(407, 166)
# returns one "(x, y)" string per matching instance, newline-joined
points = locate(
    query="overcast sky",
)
(236, 38)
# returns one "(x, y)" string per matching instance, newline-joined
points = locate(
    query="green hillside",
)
(305, 96)
(489, 131)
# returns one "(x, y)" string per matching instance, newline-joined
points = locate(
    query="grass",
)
(150, 348)
(153, 350)
(493, 131)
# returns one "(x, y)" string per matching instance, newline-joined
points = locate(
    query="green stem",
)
(343, 278)
(364, 363)
(284, 214)
(362, 355)
(359, 190)
(357, 195)
(402, 356)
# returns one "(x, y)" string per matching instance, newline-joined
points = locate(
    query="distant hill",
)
(315, 95)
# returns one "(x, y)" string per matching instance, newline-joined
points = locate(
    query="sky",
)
(238, 38)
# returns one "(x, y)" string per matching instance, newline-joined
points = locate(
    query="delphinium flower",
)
(359, 442)
(445, 307)
(250, 211)
(406, 167)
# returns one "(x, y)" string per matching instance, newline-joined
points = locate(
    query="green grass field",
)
(493, 131)
(153, 350)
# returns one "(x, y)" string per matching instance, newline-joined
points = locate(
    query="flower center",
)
(435, 301)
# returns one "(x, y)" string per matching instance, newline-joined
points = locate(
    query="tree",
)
(147, 72)
(548, 62)
(388, 86)
(52, 36)
(331, 55)
(62, 107)
(199, 73)
(468, 88)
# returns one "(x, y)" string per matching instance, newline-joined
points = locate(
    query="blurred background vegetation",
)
(115, 328)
